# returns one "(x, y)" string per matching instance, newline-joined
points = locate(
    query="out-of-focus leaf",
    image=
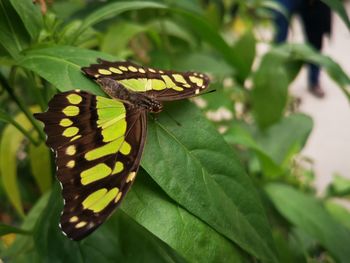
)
(6, 229)
(286, 253)
(119, 239)
(300, 52)
(286, 138)
(113, 9)
(210, 35)
(61, 65)
(270, 92)
(275, 6)
(308, 214)
(203, 62)
(340, 186)
(8, 119)
(40, 164)
(30, 16)
(211, 184)
(340, 213)
(166, 26)
(13, 36)
(117, 37)
(338, 6)
(244, 55)
(276, 145)
(22, 250)
(10, 143)
(176, 226)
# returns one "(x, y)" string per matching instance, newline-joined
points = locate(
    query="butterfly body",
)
(135, 99)
(98, 142)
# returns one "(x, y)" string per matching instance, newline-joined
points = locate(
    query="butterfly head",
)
(155, 107)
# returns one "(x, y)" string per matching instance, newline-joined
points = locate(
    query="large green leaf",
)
(308, 214)
(175, 225)
(197, 169)
(30, 16)
(120, 239)
(61, 65)
(13, 37)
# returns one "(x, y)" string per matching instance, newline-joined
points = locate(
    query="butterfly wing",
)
(98, 144)
(163, 85)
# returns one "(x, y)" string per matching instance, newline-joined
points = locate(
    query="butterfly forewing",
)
(163, 85)
(98, 144)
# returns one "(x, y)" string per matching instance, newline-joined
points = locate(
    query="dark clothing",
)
(316, 18)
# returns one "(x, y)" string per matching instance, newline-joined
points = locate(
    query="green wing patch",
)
(98, 144)
(163, 85)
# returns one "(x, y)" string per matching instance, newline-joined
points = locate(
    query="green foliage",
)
(200, 196)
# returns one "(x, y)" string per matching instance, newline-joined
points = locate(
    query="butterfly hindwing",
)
(98, 144)
(163, 85)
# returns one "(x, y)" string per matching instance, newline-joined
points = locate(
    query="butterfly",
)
(98, 141)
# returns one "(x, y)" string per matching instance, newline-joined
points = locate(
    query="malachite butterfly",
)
(99, 141)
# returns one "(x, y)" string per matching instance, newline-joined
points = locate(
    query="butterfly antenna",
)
(204, 93)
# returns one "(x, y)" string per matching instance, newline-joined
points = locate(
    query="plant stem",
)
(6, 118)
(35, 90)
(22, 106)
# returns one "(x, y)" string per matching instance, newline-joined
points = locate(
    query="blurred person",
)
(316, 20)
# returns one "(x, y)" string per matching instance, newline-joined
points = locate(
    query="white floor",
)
(329, 144)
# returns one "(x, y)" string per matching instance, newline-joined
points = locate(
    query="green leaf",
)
(8, 119)
(110, 10)
(340, 186)
(118, 36)
(175, 225)
(203, 62)
(209, 34)
(244, 54)
(40, 163)
(22, 250)
(13, 37)
(11, 141)
(308, 214)
(6, 229)
(30, 16)
(338, 6)
(286, 138)
(169, 27)
(269, 93)
(119, 239)
(301, 52)
(197, 169)
(61, 65)
(339, 212)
